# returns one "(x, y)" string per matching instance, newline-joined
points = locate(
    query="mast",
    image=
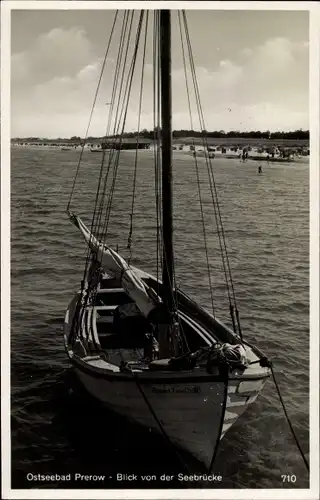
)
(166, 126)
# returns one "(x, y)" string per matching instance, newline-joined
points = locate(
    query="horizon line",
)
(237, 133)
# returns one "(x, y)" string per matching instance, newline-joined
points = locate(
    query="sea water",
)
(56, 428)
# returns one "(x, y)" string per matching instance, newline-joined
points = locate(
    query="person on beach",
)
(259, 169)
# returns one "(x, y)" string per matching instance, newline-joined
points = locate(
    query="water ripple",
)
(266, 226)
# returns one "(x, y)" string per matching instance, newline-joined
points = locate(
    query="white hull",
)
(190, 413)
(195, 409)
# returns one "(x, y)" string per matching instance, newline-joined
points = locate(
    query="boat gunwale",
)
(160, 377)
(169, 376)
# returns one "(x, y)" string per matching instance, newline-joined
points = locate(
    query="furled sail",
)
(145, 298)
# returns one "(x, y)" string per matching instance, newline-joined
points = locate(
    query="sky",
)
(252, 71)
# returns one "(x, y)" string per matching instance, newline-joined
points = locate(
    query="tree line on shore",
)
(151, 134)
(254, 134)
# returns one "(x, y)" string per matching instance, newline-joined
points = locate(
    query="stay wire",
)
(126, 96)
(136, 378)
(112, 153)
(95, 216)
(92, 109)
(156, 134)
(153, 413)
(102, 163)
(136, 155)
(160, 243)
(224, 408)
(111, 108)
(122, 93)
(197, 170)
(115, 154)
(162, 429)
(117, 71)
(173, 288)
(289, 420)
(121, 61)
(90, 292)
(216, 201)
(210, 182)
(155, 139)
(206, 143)
(124, 114)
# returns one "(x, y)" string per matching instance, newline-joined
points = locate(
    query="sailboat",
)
(138, 343)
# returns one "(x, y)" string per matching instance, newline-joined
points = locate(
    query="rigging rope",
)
(158, 421)
(197, 169)
(111, 109)
(233, 307)
(220, 230)
(119, 109)
(77, 319)
(123, 108)
(92, 290)
(124, 112)
(116, 155)
(136, 155)
(208, 158)
(122, 38)
(120, 118)
(117, 71)
(92, 109)
(163, 263)
(288, 419)
(216, 448)
(96, 219)
(156, 135)
(224, 373)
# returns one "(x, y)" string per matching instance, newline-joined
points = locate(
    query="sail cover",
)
(145, 298)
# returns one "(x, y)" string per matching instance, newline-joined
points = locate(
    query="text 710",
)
(288, 479)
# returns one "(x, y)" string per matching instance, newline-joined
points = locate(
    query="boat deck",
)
(99, 334)
(101, 343)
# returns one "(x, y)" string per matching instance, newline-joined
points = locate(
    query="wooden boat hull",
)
(195, 409)
(184, 415)
(193, 416)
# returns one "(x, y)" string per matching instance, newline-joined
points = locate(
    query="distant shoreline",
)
(245, 153)
(198, 141)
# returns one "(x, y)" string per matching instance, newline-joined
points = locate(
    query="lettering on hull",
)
(194, 389)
